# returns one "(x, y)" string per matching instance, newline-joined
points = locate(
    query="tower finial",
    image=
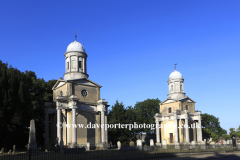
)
(175, 66)
(76, 36)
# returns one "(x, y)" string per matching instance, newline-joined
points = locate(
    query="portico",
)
(182, 121)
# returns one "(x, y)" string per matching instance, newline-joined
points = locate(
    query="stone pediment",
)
(169, 101)
(85, 81)
(58, 84)
(185, 99)
(82, 81)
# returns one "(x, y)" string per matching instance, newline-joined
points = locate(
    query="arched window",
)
(61, 93)
(186, 107)
(180, 87)
(80, 64)
(172, 87)
(169, 110)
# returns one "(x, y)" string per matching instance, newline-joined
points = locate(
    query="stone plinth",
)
(193, 144)
(187, 146)
(164, 144)
(158, 144)
(177, 145)
(104, 146)
(203, 145)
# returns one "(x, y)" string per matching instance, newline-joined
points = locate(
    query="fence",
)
(131, 152)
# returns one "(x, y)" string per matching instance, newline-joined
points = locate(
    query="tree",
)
(121, 115)
(145, 112)
(22, 97)
(211, 127)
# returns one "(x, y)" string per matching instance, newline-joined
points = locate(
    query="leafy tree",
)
(145, 112)
(235, 132)
(121, 115)
(211, 127)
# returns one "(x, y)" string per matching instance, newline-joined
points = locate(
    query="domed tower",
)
(175, 85)
(176, 113)
(77, 101)
(75, 61)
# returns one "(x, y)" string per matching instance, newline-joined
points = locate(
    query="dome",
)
(175, 75)
(75, 46)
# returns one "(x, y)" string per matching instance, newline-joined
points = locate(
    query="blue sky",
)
(132, 47)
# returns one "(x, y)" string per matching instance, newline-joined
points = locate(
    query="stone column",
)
(176, 130)
(106, 131)
(59, 129)
(199, 130)
(103, 128)
(46, 131)
(83, 64)
(187, 130)
(98, 130)
(86, 65)
(69, 130)
(74, 128)
(181, 128)
(194, 132)
(157, 132)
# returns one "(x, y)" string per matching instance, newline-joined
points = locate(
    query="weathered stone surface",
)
(103, 146)
(193, 143)
(177, 145)
(32, 145)
(164, 144)
(10, 152)
(139, 144)
(119, 144)
(186, 146)
(151, 142)
(88, 146)
(203, 145)
(148, 148)
(158, 144)
(131, 144)
(238, 145)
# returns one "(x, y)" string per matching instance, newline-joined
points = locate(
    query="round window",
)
(84, 93)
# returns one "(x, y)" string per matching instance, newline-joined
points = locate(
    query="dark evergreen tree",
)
(22, 98)
(121, 115)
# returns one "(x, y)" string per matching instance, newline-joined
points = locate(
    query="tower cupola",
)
(175, 85)
(75, 61)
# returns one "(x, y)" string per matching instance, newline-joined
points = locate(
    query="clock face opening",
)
(84, 93)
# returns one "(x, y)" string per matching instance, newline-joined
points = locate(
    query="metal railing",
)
(131, 152)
